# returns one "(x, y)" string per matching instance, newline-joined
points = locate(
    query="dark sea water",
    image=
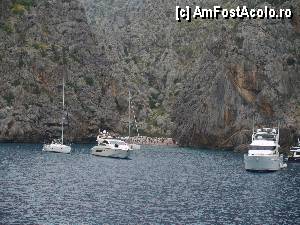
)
(157, 186)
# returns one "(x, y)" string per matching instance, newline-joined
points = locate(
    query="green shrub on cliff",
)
(18, 8)
(9, 98)
(8, 27)
(43, 47)
(89, 81)
(25, 3)
(16, 83)
(40, 46)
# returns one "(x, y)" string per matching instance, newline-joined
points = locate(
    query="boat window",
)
(262, 147)
(265, 137)
(117, 142)
(105, 142)
(297, 153)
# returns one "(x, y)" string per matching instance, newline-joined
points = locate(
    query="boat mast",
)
(253, 128)
(63, 112)
(129, 114)
(278, 132)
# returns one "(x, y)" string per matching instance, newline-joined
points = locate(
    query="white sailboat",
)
(58, 145)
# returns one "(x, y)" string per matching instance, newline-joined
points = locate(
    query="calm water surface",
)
(157, 186)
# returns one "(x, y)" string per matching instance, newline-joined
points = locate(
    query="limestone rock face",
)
(200, 82)
(207, 78)
(254, 71)
(38, 46)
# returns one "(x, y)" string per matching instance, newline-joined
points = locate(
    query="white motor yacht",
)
(111, 147)
(296, 153)
(263, 154)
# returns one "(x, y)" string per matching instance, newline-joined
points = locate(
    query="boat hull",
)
(263, 163)
(112, 153)
(57, 148)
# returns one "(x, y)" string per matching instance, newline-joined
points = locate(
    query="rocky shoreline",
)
(155, 141)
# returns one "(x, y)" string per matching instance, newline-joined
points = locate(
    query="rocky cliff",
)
(42, 41)
(201, 82)
(247, 69)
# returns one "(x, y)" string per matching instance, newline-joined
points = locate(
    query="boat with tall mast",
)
(58, 145)
(263, 154)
